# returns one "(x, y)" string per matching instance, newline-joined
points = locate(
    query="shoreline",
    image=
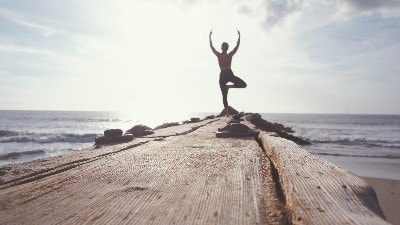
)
(373, 167)
(388, 193)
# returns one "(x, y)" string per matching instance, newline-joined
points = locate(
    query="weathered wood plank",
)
(319, 192)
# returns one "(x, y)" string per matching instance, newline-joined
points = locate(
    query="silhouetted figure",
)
(226, 75)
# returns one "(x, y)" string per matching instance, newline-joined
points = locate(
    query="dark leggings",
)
(227, 76)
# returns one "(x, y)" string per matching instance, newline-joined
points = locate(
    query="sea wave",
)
(358, 155)
(84, 120)
(17, 155)
(7, 136)
(360, 142)
(7, 133)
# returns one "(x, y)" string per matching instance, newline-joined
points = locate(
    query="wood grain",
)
(319, 192)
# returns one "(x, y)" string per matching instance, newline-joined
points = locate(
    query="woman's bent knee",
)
(241, 85)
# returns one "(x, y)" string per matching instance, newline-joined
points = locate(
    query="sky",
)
(296, 56)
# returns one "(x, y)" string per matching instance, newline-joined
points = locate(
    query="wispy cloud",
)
(279, 10)
(29, 50)
(370, 5)
(23, 20)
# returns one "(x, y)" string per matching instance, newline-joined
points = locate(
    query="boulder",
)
(113, 133)
(283, 128)
(165, 125)
(233, 120)
(140, 130)
(238, 116)
(194, 119)
(257, 120)
(256, 116)
(234, 130)
(210, 117)
(279, 129)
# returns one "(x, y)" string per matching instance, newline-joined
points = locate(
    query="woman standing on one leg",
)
(226, 75)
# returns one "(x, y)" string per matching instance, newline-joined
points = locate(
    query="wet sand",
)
(388, 192)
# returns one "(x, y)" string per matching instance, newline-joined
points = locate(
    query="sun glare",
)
(149, 46)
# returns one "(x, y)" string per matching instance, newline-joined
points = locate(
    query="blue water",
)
(29, 135)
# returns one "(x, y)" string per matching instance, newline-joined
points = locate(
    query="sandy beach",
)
(388, 192)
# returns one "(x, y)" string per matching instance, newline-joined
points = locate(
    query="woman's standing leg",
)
(224, 91)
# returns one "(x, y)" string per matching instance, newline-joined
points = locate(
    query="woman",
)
(226, 75)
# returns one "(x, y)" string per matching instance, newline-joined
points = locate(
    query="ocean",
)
(344, 134)
(367, 145)
(30, 135)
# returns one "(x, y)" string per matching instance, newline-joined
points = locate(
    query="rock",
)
(165, 125)
(295, 139)
(113, 139)
(113, 133)
(231, 111)
(283, 128)
(210, 117)
(279, 129)
(235, 127)
(234, 130)
(238, 116)
(249, 117)
(194, 119)
(233, 120)
(258, 121)
(256, 116)
(140, 131)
